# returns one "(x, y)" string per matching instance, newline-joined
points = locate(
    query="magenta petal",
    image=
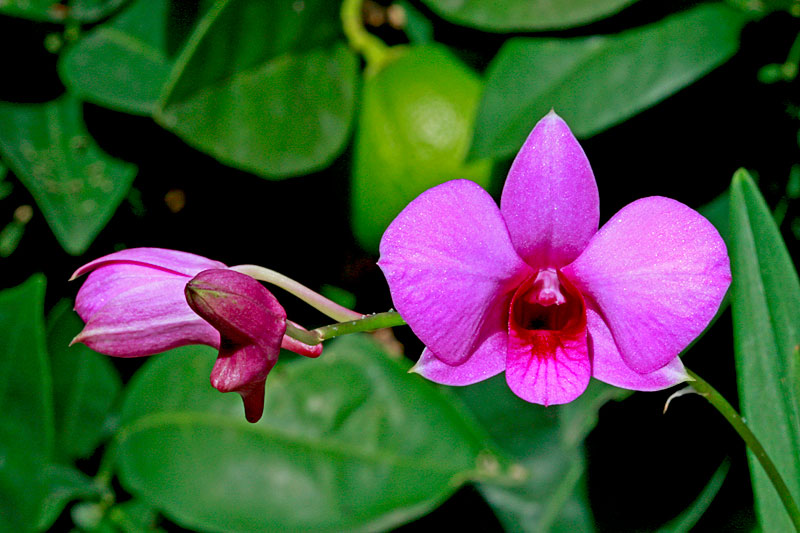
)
(146, 319)
(106, 284)
(548, 372)
(160, 258)
(657, 271)
(608, 366)
(550, 200)
(488, 359)
(448, 260)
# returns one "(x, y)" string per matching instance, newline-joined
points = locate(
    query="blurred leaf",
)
(134, 516)
(414, 131)
(597, 82)
(85, 386)
(549, 443)
(83, 11)
(26, 423)
(5, 187)
(689, 518)
(75, 184)
(122, 64)
(348, 442)
(765, 300)
(264, 86)
(524, 15)
(64, 484)
(10, 236)
(418, 28)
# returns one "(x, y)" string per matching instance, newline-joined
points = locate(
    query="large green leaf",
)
(597, 82)
(348, 442)
(26, 410)
(85, 386)
(264, 86)
(124, 63)
(524, 15)
(75, 184)
(84, 11)
(766, 328)
(548, 442)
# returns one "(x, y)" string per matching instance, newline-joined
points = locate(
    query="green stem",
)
(388, 319)
(315, 300)
(735, 420)
(374, 50)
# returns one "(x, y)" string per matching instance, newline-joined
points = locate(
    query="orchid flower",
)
(134, 303)
(535, 290)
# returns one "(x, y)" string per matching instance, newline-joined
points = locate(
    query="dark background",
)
(644, 468)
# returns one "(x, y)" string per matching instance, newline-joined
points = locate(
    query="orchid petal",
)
(146, 319)
(550, 201)
(448, 260)
(549, 370)
(157, 258)
(488, 359)
(106, 283)
(657, 272)
(608, 366)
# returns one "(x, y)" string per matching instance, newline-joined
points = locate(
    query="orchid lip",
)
(548, 302)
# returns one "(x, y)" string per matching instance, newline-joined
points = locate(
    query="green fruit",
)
(415, 127)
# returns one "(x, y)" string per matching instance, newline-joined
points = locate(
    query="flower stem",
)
(375, 51)
(388, 319)
(315, 300)
(736, 421)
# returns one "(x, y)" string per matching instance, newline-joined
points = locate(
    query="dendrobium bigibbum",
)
(535, 290)
(136, 303)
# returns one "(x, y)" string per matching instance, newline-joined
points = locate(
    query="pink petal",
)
(146, 319)
(448, 260)
(608, 366)
(550, 200)
(161, 258)
(488, 359)
(109, 282)
(243, 369)
(547, 366)
(657, 272)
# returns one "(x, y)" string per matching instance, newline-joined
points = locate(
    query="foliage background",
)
(642, 468)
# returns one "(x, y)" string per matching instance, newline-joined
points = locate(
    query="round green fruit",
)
(414, 131)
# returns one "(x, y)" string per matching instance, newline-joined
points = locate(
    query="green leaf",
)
(133, 516)
(26, 419)
(124, 63)
(83, 11)
(64, 484)
(597, 82)
(85, 386)
(75, 184)
(524, 15)
(264, 86)
(765, 301)
(348, 442)
(414, 130)
(549, 444)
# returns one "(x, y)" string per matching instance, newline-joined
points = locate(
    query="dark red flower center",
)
(548, 302)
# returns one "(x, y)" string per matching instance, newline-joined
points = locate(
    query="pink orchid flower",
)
(134, 304)
(533, 288)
